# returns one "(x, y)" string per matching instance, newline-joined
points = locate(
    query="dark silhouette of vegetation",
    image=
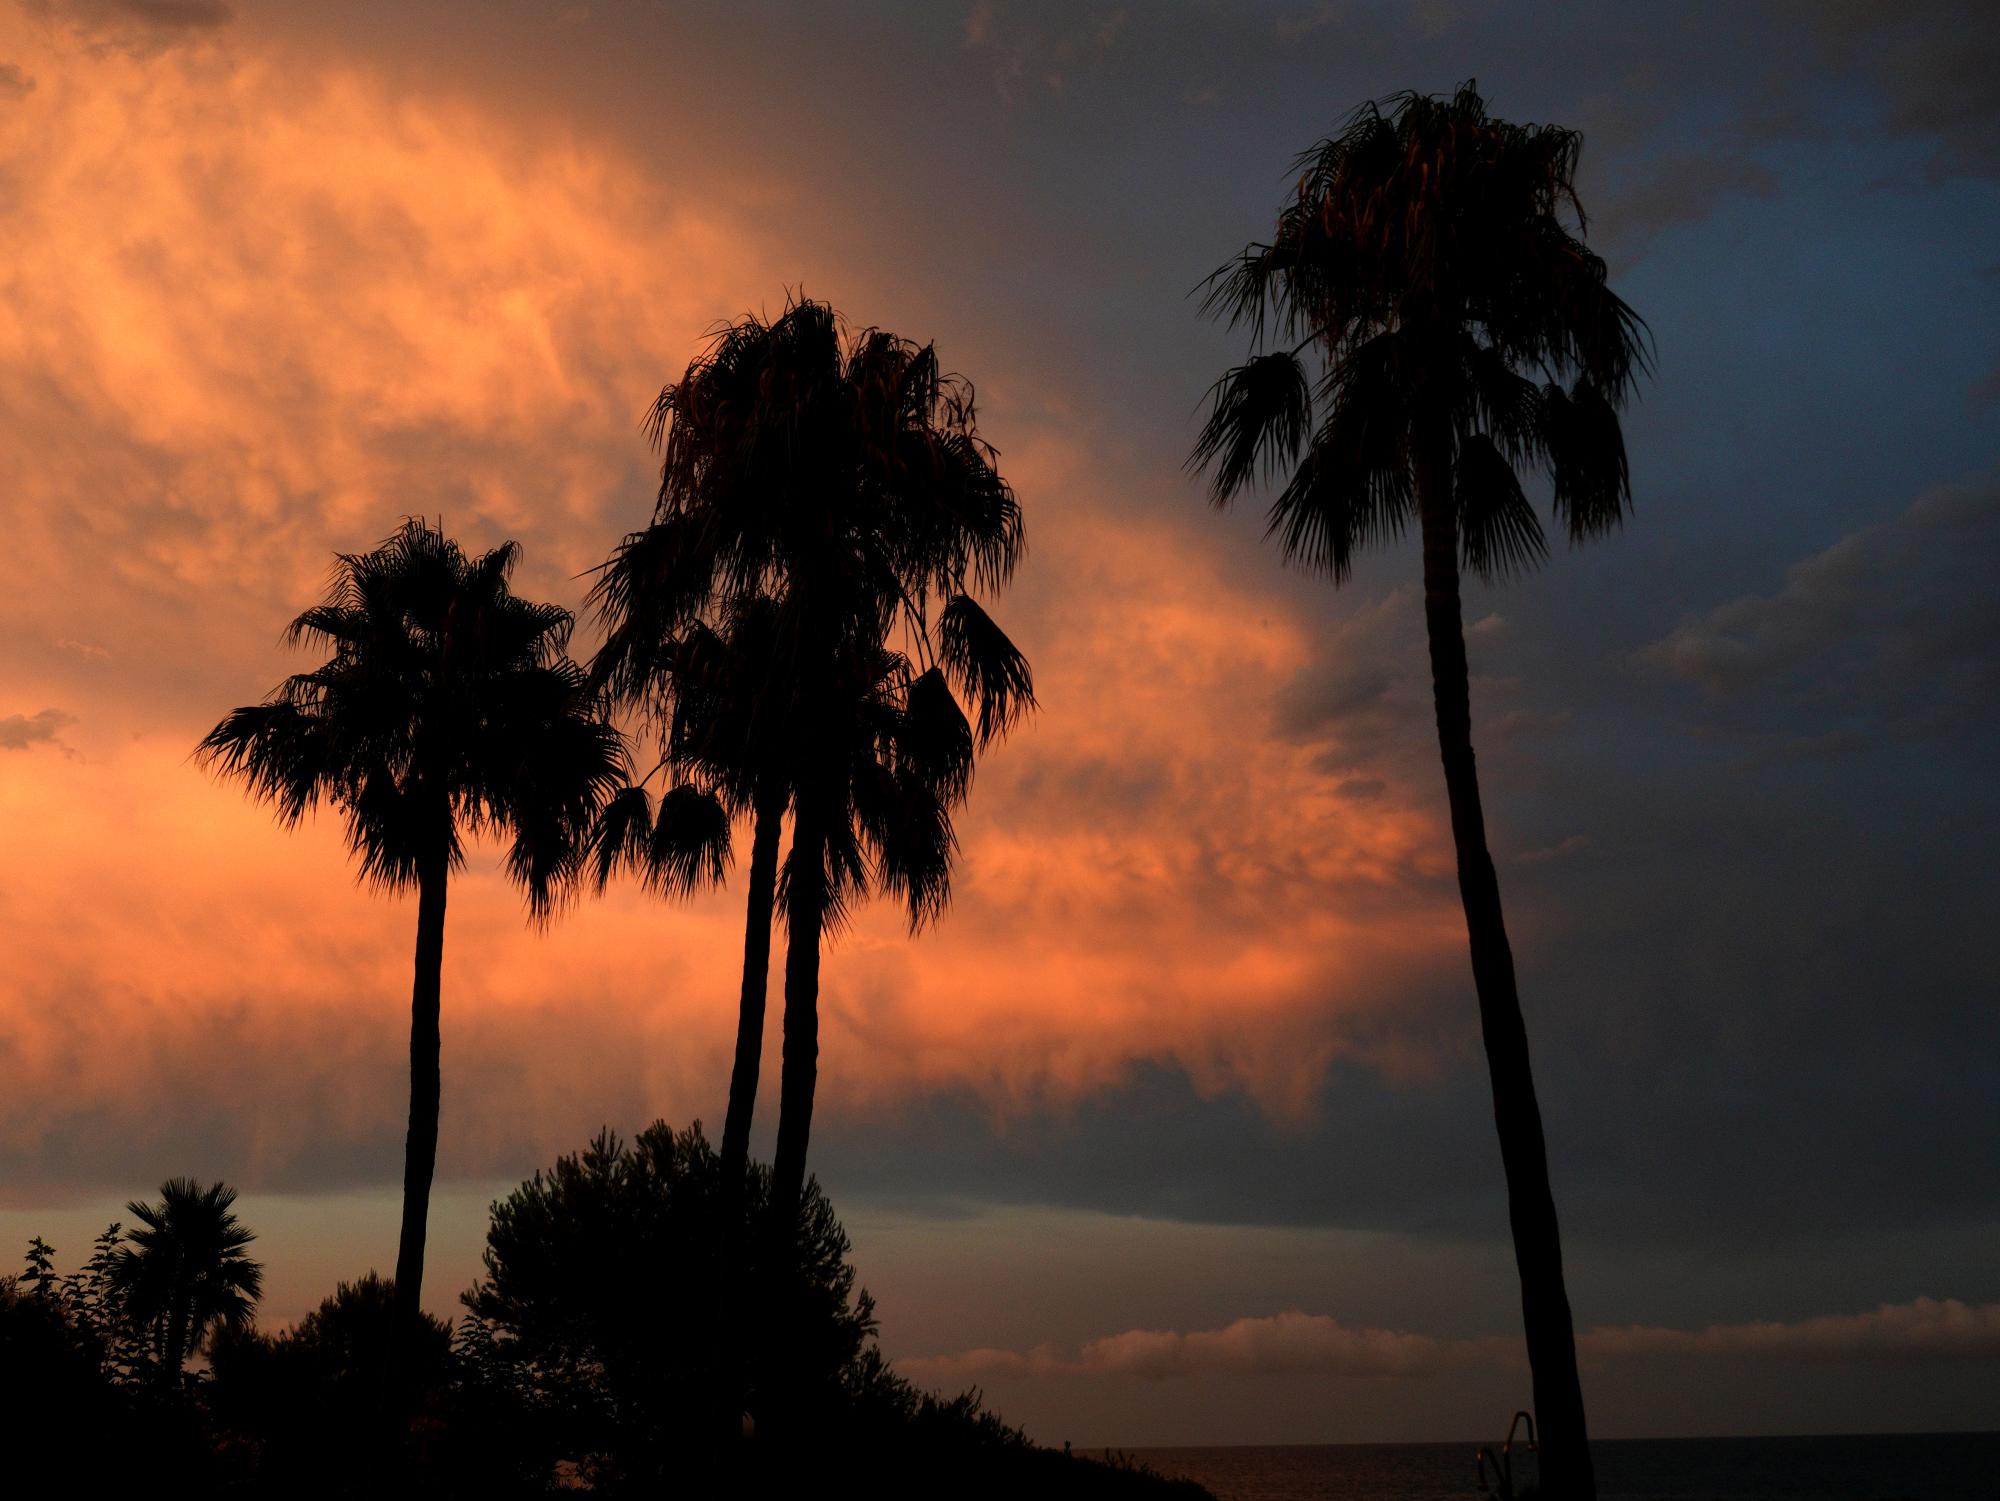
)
(821, 492)
(635, 1354)
(588, 1359)
(183, 1272)
(622, 1364)
(1463, 332)
(86, 1374)
(447, 707)
(300, 1401)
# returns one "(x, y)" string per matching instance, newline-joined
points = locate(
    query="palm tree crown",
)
(799, 621)
(184, 1272)
(1426, 259)
(842, 478)
(447, 706)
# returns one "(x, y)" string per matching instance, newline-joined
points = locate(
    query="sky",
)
(1176, 1129)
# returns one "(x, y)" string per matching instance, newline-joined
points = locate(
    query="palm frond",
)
(1499, 534)
(1259, 414)
(1585, 445)
(985, 664)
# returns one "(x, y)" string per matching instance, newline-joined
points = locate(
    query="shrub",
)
(644, 1327)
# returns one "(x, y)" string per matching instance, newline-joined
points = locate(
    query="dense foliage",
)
(595, 1354)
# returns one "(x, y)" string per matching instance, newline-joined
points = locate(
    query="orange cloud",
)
(258, 309)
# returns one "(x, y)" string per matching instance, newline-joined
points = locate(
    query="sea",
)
(1892, 1467)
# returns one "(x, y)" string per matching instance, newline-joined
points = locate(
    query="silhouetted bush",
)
(304, 1403)
(625, 1326)
(610, 1306)
(77, 1388)
(631, 1326)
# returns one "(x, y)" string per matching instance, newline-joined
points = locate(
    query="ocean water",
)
(1919, 1467)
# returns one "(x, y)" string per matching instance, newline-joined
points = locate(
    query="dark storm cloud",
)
(192, 14)
(1936, 64)
(1708, 942)
(159, 15)
(14, 83)
(139, 29)
(1895, 628)
(1677, 190)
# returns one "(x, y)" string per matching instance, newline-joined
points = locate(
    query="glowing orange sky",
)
(257, 312)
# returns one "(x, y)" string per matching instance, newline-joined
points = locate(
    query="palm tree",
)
(184, 1272)
(447, 707)
(1463, 332)
(705, 690)
(842, 481)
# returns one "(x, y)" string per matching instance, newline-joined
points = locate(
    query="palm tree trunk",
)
(750, 1008)
(173, 1340)
(805, 904)
(1566, 1471)
(732, 1273)
(420, 1146)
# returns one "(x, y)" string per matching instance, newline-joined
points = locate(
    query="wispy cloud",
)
(1294, 1343)
(1893, 627)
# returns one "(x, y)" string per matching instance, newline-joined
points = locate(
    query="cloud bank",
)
(265, 304)
(1295, 1343)
(1893, 629)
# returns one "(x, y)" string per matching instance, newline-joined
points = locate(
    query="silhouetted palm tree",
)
(184, 1273)
(1463, 331)
(843, 481)
(447, 707)
(707, 691)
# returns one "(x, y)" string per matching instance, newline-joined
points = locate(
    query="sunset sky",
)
(1177, 1128)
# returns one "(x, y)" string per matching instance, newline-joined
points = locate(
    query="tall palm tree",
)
(184, 1272)
(1462, 332)
(447, 707)
(874, 789)
(843, 481)
(706, 691)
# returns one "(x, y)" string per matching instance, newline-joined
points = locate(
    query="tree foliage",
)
(184, 1271)
(599, 1293)
(1429, 269)
(446, 706)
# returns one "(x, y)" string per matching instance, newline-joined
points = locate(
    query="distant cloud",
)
(1934, 61)
(1363, 699)
(19, 731)
(1290, 1343)
(1303, 20)
(1677, 190)
(1557, 851)
(1894, 627)
(142, 30)
(1041, 45)
(1926, 1328)
(14, 84)
(1295, 1343)
(163, 15)
(193, 14)
(1287, 1343)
